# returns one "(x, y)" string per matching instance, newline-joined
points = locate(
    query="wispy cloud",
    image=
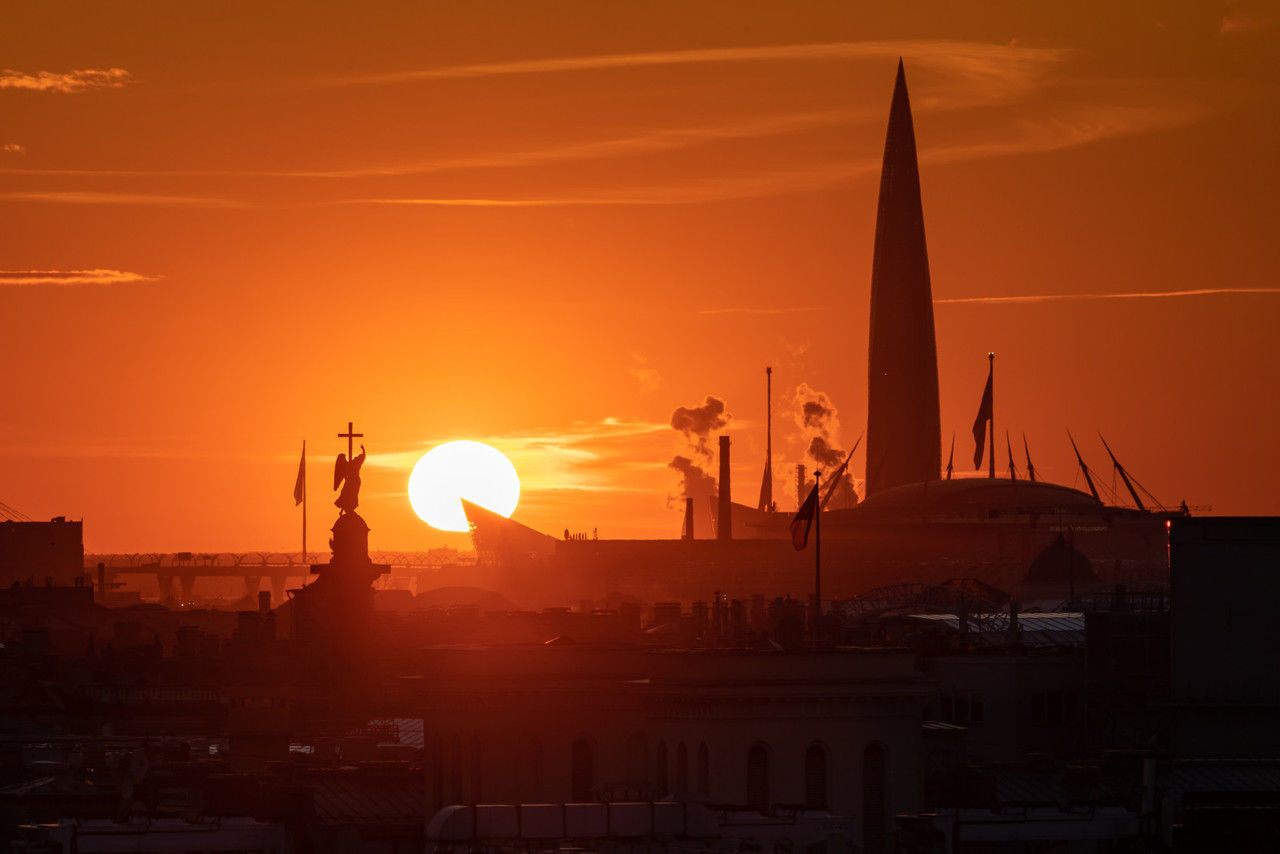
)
(644, 373)
(65, 82)
(1039, 298)
(27, 278)
(977, 56)
(86, 197)
(586, 457)
(634, 144)
(745, 310)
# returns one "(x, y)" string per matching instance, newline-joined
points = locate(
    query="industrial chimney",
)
(688, 518)
(724, 522)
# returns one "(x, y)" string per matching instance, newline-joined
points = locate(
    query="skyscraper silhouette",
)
(904, 435)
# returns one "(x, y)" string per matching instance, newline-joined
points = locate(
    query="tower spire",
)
(904, 430)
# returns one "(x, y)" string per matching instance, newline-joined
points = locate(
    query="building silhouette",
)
(904, 438)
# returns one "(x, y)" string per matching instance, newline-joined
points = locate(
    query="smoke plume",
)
(698, 422)
(694, 463)
(819, 423)
(694, 482)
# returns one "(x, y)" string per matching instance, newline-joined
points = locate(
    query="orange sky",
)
(546, 225)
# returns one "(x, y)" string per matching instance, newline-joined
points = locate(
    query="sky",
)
(228, 227)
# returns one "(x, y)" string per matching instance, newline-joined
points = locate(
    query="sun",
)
(460, 469)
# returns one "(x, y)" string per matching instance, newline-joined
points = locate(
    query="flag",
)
(980, 424)
(804, 520)
(300, 485)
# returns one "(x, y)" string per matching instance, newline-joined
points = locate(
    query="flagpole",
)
(817, 557)
(304, 501)
(991, 367)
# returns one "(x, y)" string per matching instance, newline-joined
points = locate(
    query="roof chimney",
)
(724, 521)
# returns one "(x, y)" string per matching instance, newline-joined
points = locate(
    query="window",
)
(533, 765)
(477, 762)
(963, 709)
(873, 799)
(437, 770)
(682, 768)
(661, 771)
(815, 777)
(455, 769)
(638, 758)
(758, 777)
(582, 771)
(1054, 708)
(704, 770)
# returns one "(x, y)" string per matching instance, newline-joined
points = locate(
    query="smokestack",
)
(800, 496)
(688, 518)
(724, 524)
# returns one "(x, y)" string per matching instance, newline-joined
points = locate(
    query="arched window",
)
(477, 764)
(873, 799)
(664, 787)
(758, 777)
(582, 771)
(638, 758)
(533, 765)
(815, 777)
(704, 770)
(437, 770)
(455, 769)
(682, 768)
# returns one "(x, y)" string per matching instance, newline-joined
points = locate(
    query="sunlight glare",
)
(460, 469)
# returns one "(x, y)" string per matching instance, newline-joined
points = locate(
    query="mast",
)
(991, 462)
(1084, 469)
(817, 558)
(766, 485)
(1123, 475)
(1031, 469)
(1008, 443)
(951, 458)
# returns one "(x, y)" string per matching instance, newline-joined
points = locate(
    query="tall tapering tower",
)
(904, 434)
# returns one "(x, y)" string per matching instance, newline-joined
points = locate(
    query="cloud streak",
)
(761, 311)
(65, 278)
(979, 58)
(87, 197)
(66, 82)
(1040, 298)
(586, 457)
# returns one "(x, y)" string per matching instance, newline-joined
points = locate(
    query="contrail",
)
(1195, 292)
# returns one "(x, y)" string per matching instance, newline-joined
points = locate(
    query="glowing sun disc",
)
(461, 469)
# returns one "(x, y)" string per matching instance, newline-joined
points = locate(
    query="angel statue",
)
(346, 472)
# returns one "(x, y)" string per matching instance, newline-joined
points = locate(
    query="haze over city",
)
(230, 228)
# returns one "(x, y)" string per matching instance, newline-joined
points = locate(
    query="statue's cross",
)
(349, 436)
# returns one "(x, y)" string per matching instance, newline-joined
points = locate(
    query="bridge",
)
(278, 567)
